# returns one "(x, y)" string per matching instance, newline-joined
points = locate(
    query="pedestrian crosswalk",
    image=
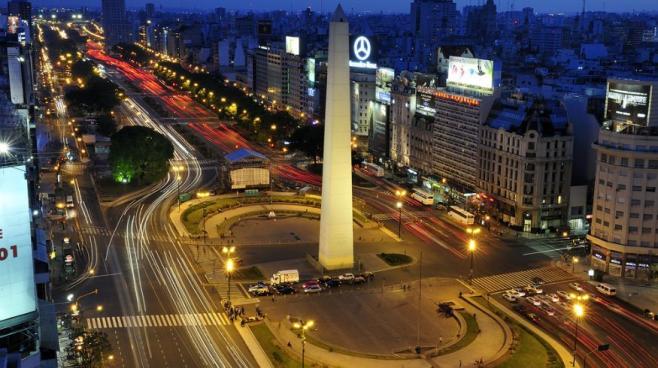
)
(159, 320)
(506, 281)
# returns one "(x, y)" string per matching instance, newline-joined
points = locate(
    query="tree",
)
(88, 348)
(139, 153)
(309, 139)
(83, 69)
(105, 124)
(98, 95)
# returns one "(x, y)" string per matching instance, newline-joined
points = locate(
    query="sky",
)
(388, 6)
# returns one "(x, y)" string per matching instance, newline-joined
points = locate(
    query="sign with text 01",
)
(16, 265)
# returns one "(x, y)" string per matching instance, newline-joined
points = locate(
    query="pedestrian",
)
(272, 298)
(440, 340)
(289, 345)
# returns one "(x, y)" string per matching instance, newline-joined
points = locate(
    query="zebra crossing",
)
(510, 280)
(159, 320)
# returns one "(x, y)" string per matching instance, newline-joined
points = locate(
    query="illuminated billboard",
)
(383, 80)
(292, 45)
(16, 264)
(471, 73)
(628, 102)
(362, 53)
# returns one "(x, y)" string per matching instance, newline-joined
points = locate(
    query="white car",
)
(554, 297)
(534, 301)
(576, 286)
(346, 277)
(515, 293)
(510, 298)
(563, 294)
(258, 289)
(312, 289)
(534, 289)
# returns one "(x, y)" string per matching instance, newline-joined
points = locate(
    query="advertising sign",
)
(383, 80)
(628, 102)
(425, 104)
(292, 45)
(16, 265)
(362, 52)
(471, 73)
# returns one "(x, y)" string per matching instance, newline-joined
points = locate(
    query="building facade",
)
(432, 21)
(115, 25)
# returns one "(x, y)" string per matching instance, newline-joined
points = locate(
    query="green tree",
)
(105, 124)
(83, 69)
(88, 348)
(139, 153)
(309, 139)
(98, 95)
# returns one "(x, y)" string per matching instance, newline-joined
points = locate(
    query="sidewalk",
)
(254, 346)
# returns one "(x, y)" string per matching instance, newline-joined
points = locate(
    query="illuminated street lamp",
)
(399, 206)
(230, 266)
(178, 169)
(578, 312)
(574, 260)
(471, 249)
(303, 326)
(4, 148)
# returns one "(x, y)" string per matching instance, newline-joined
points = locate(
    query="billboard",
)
(628, 102)
(383, 80)
(471, 73)
(292, 45)
(362, 52)
(425, 103)
(16, 264)
(249, 177)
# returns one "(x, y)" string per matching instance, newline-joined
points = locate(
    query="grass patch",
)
(528, 350)
(472, 330)
(395, 259)
(249, 273)
(279, 357)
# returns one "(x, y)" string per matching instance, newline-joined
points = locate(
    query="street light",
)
(178, 169)
(471, 249)
(4, 148)
(579, 312)
(574, 260)
(230, 266)
(399, 205)
(303, 326)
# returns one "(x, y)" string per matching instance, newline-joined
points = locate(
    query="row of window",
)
(638, 163)
(622, 187)
(648, 203)
(631, 229)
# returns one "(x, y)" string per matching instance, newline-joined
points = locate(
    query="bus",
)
(461, 215)
(373, 169)
(423, 196)
(606, 289)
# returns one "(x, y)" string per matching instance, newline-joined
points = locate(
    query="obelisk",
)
(336, 232)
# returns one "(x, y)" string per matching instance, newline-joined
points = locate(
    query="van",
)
(69, 201)
(606, 289)
(284, 277)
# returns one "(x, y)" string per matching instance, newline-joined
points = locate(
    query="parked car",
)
(315, 288)
(531, 289)
(564, 295)
(520, 308)
(331, 283)
(510, 298)
(520, 290)
(550, 311)
(359, 280)
(576, 286)
(310, 283)
(554, 297)
(346, 277)
(259, 289)
(285, 289)
(533, 317)
(534, 301)
(515, 293)
(538, 281)
(367, 275)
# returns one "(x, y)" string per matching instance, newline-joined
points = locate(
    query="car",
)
(520, 308)
(515, 293)
(576, 286)
(312, 289)
(310, 283)
(534, 289)
(538, 281)
(367, 275)
(534, 301)
(554, 297)
(564, 295)
(550, 311)
(346, 277)
(325, 278)
(258, 288)
(533, 317)
(331, 283)
(520, 290)
(510, 298)
(359, 280)
(285, 289)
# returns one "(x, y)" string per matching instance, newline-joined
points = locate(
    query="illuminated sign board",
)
(383, 80)
(426, 98)
(471, 73)
(13, 23)
(16, 263)
(292, 45)
(361, 52)
(310, 71)
(628, 102)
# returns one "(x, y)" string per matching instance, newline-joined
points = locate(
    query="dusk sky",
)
(371, 5)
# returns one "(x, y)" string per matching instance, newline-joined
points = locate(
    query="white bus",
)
(461, 215)
(373, 169)
(423, 196)
(606, 289)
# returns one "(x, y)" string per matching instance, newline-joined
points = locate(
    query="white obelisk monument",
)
(336, 232)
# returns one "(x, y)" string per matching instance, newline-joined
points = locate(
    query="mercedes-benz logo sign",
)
(362, 48)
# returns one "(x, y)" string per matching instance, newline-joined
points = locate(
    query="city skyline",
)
(371, 6)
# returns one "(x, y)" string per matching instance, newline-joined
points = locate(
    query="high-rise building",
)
(363, 95)
(149, 8)
(624, 232)
(432, 22)
(403, 109)
(525, 161)
(23, 10)
(481, 23)
(115, 26)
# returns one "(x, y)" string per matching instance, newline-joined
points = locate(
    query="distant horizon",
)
(364, 6)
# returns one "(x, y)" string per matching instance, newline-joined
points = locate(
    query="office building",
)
(149, 9)
(525, 163)
(363, 95)
(432, 22)
(403, 109)
(115, 25)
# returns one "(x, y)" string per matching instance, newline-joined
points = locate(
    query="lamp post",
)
(471, 249)
(177, 170)
(303, 326)
(578, 311)
(399, 206)
(574, 260)
(230, 267)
